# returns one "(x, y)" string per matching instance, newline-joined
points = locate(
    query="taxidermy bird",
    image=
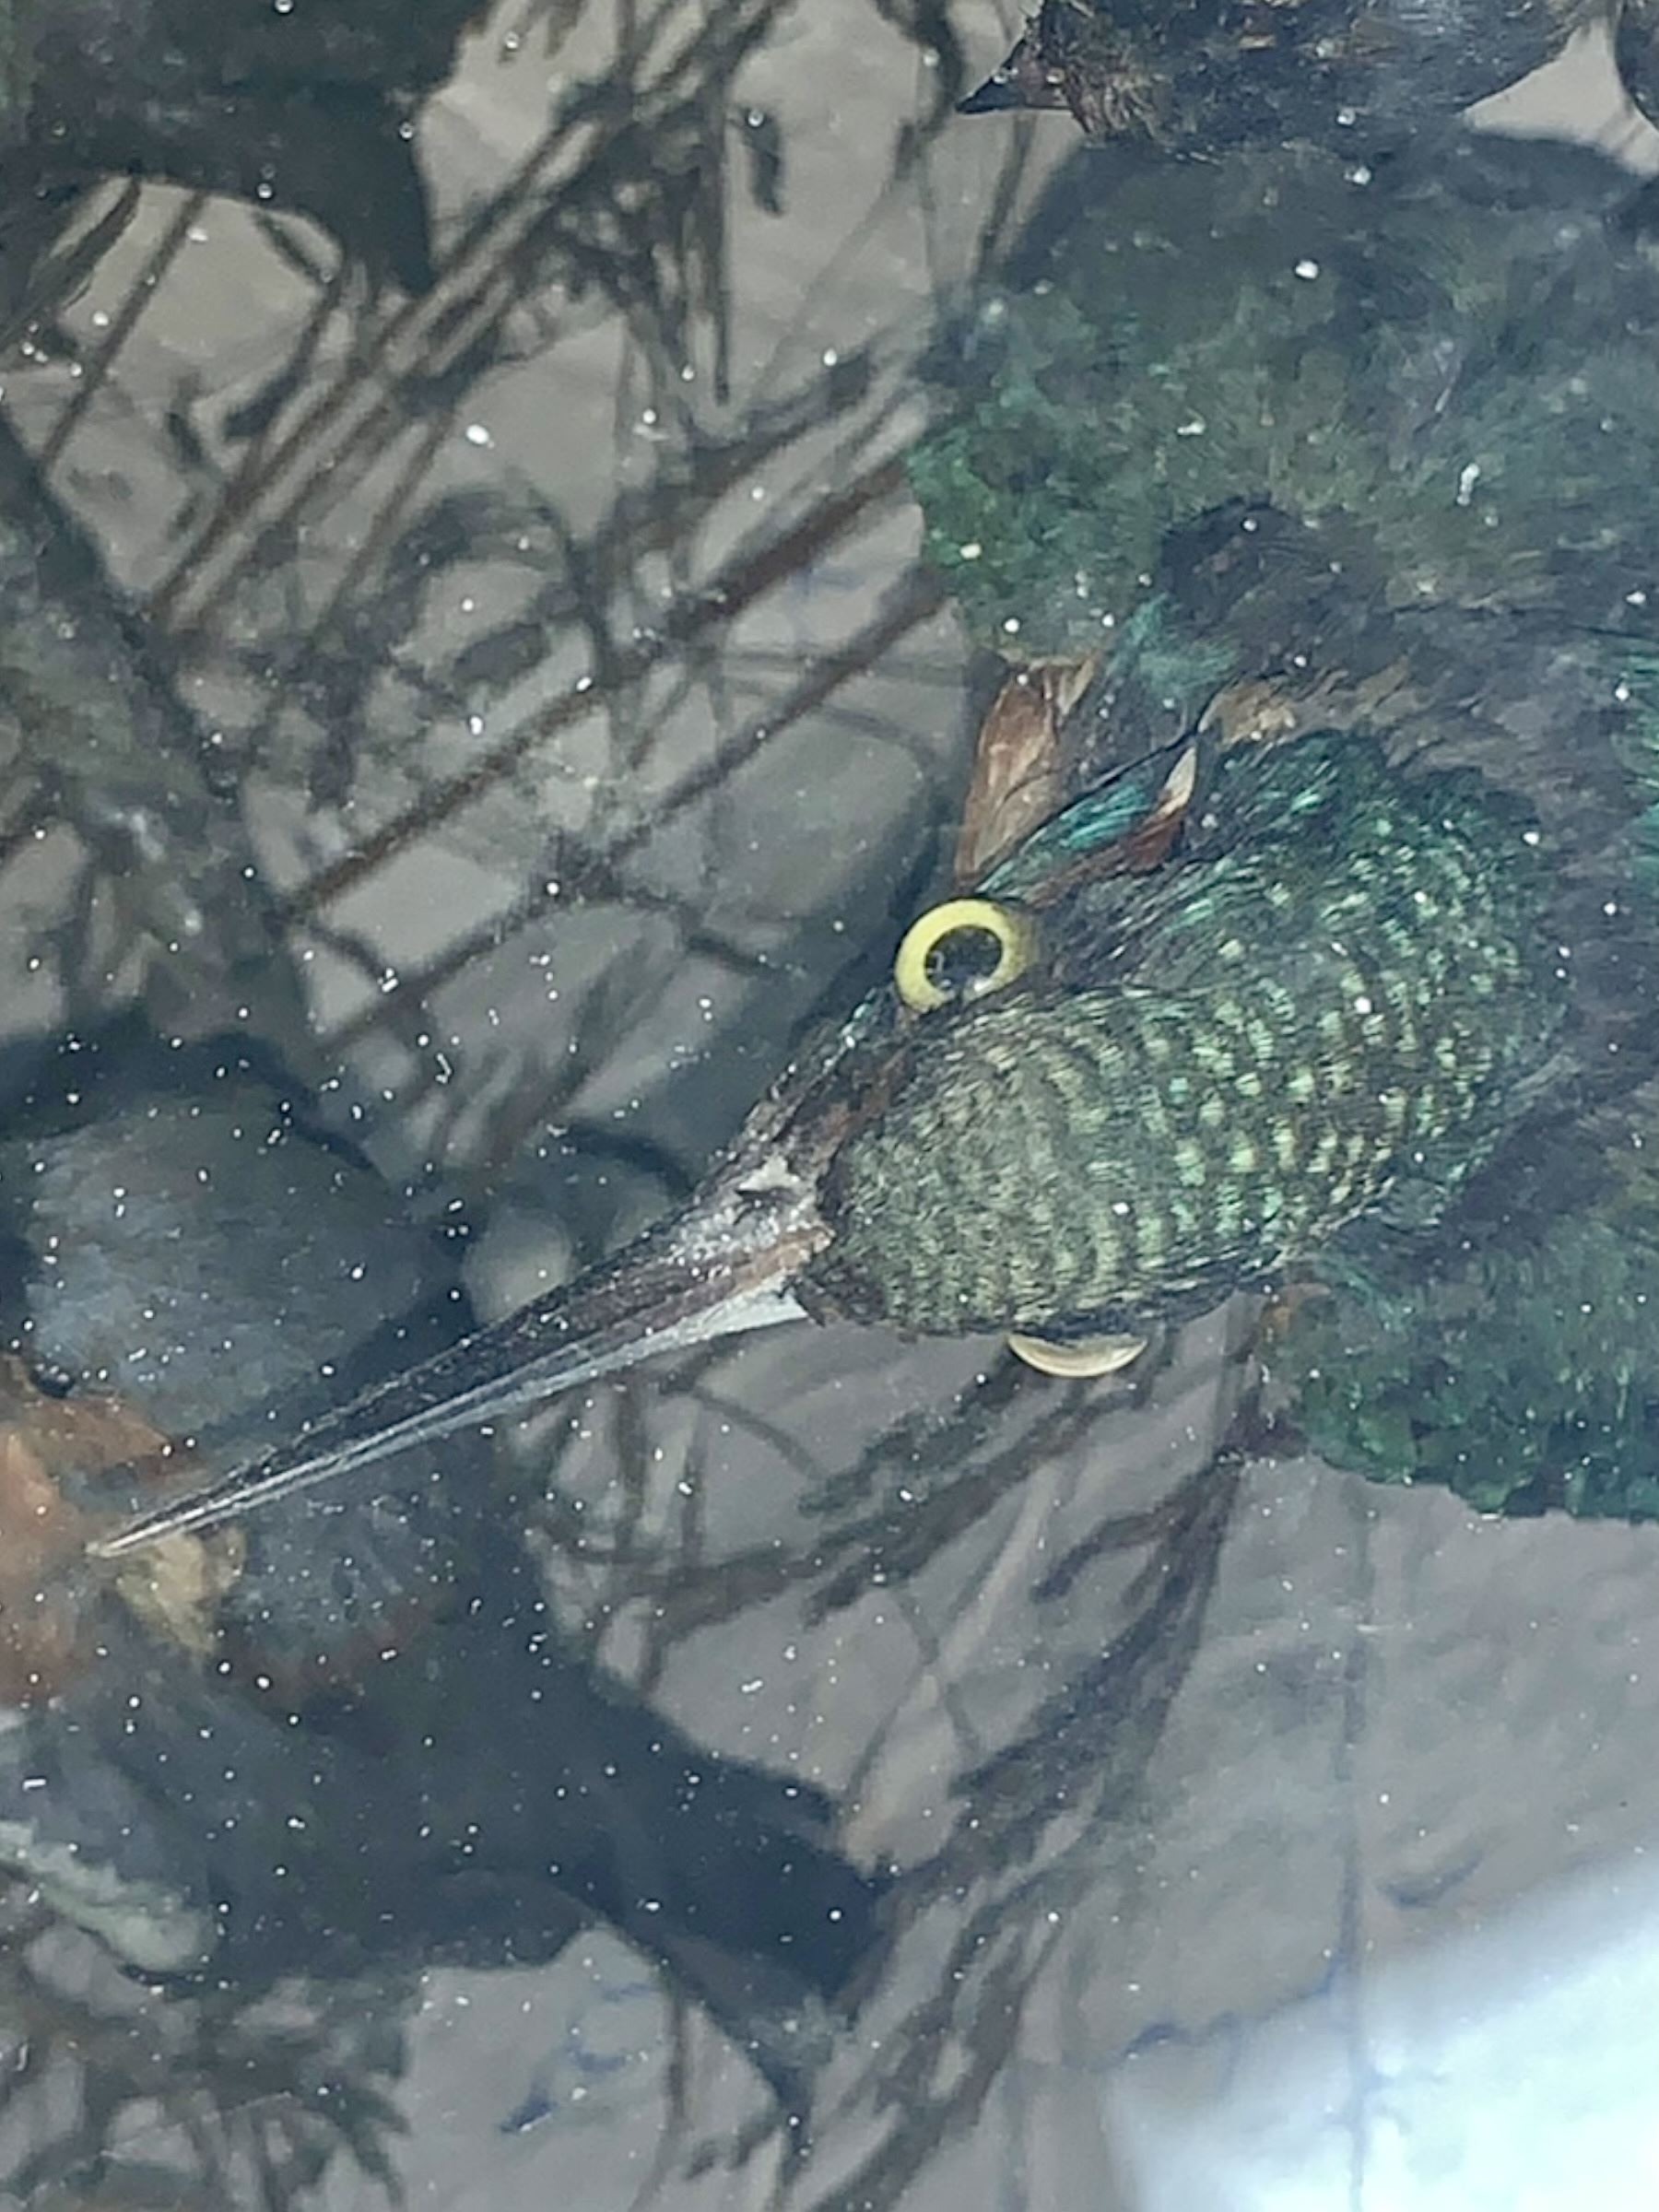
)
(1397, 559)
(1197, 75)
(1306, 857)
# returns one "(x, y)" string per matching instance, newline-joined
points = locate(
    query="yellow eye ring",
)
(921, 971)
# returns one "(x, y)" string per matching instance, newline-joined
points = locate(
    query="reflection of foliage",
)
(308, 112)
(399, 724)
(910, 1493)
(125, 2099)
(950, 1500)
(1055, 1824)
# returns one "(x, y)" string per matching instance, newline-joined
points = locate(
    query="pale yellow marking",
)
(1191, 1164)
(1080, 1362)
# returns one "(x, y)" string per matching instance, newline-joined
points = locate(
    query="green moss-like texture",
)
(1449, 372)
(1522, 1372)
(1522, 1380)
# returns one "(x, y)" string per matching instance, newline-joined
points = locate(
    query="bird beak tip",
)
(728, 1265)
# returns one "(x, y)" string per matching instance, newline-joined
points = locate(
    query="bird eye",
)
(961, 950)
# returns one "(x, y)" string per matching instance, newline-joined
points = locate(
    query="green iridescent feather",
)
(1341, 982)
(1523, 1372)
(1437, 389)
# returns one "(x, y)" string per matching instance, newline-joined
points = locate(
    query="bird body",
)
(1294, 443)
(1340, 981)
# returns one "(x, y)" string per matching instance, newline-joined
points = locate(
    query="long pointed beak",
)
(721, 1267)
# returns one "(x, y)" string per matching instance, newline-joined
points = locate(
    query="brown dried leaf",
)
(1019, 774)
